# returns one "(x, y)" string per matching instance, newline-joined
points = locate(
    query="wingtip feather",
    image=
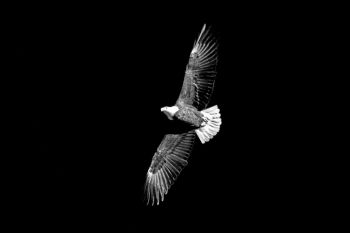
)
(160, 179)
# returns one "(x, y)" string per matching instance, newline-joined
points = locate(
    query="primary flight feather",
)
(190, 107)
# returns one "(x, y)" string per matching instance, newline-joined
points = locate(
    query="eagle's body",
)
(190, 107)
(190, 115)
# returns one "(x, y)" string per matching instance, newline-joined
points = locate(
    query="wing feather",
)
(167, 163)
(200, 72)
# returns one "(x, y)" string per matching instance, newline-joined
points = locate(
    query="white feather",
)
(212, 126)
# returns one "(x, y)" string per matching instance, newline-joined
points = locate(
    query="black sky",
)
(93, 84)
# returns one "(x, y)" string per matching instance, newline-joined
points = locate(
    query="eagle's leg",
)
(205, 120)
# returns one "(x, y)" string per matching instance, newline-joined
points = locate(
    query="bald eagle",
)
(191, 108)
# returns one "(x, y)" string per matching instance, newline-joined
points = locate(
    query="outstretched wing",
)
(167, 163)
(200, 72)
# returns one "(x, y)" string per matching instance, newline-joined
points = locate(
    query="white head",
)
(169, 111)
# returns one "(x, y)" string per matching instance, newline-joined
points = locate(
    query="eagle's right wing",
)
(167, 163)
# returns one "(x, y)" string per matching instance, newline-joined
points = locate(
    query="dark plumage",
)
(200, 73)
(167, 163)
(189, 114)
(174, 150)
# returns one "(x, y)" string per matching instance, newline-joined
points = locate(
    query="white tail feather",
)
(211, 124)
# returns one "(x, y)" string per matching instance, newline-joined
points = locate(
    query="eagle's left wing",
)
(200, 72)
(167, 163)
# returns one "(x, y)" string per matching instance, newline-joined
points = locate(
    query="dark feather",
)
(167, 163)
(200, 72)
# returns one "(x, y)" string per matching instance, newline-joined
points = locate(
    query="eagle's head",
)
(169, 111)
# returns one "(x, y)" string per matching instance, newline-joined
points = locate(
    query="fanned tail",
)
(211, 124)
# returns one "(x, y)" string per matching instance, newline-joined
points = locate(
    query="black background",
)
(91, 82)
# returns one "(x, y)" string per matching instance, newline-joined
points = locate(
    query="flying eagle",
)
(191, 107)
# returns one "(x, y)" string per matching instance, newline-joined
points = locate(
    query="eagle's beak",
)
(166, 113)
